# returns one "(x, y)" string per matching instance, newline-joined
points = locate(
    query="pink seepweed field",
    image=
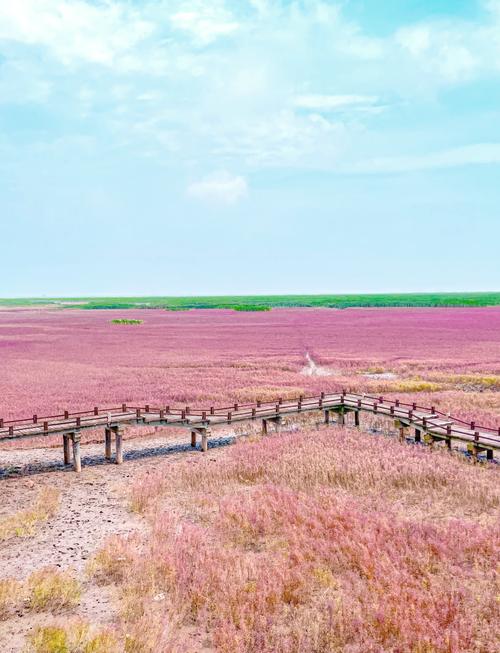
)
(73, 359)
(321, 540)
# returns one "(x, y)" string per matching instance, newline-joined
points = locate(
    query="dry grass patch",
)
(24, 523)
(52, 590)
(79, 637)
(11, 596)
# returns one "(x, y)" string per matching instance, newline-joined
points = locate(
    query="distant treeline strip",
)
(266, 302)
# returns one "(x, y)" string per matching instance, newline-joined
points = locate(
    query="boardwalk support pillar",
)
(204, 441)
(402, 433)
(202, 431)
(341, 417)
(356, 418)
(107, 445)
(67, 457)
(327, 417)
(274, 420)
(418, 435)
(77, 459)
(118, 431)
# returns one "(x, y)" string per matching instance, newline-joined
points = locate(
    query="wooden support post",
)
(489, 454)
(264, 427)
(277, 423)
(118, 431)
(341, 418)
(418, 435)
(107, 443)
(402, 433)
(193, 438)
(67, 457)
(77, 460)
(356, 418)
(204, 440)
(448, 443)
(327, 417)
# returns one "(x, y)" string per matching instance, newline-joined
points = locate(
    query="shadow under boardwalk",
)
(32, 469)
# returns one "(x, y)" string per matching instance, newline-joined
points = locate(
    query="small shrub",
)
(10, 597)
(50, 589)
(76, 638)
(112, 562)
(49, 639)
(23, 523)
(125, 321)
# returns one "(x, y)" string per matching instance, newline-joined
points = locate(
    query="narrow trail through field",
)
(313, 369)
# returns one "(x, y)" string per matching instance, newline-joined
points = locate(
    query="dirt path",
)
(313, 369)
(93, 507)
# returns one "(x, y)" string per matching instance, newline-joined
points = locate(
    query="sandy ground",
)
(93, 507)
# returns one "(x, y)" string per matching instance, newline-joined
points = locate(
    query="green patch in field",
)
(125, 321)
(267, 301)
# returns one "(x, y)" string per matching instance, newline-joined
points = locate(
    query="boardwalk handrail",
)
(428, 423)
(9, 428)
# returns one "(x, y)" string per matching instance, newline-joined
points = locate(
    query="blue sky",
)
(203, 147)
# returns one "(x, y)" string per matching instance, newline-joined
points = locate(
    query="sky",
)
(190, 147)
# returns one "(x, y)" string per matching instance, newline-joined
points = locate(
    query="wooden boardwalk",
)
(428, 424)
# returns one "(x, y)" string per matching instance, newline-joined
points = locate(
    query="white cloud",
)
(75, 30)
(219, 187)
(333, 102)
(476, 154)
(204, 22)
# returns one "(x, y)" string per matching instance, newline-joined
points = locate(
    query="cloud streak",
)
(219, 188)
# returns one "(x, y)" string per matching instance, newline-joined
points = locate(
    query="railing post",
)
(96, 410)
(35, 419)
(124, 408)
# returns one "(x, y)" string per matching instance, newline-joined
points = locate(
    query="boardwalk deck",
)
(427, 422)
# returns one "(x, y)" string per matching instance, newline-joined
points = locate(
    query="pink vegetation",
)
(321, 541)
(74, 359)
